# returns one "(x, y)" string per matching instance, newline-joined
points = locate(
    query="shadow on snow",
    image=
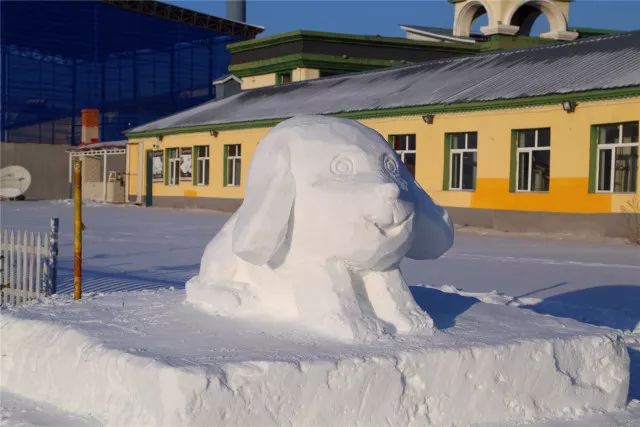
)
(443, 307)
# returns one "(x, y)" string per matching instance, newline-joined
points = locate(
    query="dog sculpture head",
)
(335, 189)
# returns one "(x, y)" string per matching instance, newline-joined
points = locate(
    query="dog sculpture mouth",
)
(391, 229)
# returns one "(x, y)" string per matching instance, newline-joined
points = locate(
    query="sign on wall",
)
(158, 166)
(185, 164)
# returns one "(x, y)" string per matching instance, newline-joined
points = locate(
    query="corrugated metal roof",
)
(588, 64)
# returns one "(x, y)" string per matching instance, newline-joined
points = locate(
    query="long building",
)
(541, 138)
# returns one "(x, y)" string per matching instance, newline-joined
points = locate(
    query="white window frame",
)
(231, 167)
(612, 147)
(460, 152)
(529, 151)
(202, 160)
(174, 166)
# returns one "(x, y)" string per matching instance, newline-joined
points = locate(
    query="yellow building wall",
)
(570, 143)
(299, 74)
(570, 146)
(260, 80)
(247, 138)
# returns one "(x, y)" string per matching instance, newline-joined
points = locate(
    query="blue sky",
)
(383, 17)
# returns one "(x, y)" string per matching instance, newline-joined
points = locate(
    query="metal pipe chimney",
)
(237, 10)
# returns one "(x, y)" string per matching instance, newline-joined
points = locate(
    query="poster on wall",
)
(185, 163)
(158, 166)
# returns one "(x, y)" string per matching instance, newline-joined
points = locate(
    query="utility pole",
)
(77, 230)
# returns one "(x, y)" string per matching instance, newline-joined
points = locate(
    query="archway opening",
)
(531, 20)
(480, 19)
(469, 20)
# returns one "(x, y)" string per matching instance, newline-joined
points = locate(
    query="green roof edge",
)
(339, 37)
(325, 62)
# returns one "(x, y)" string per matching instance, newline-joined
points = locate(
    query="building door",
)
(148, 200)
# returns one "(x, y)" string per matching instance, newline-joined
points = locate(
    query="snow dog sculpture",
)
(329, 212)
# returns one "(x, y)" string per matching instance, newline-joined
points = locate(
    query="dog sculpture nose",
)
(389, 190)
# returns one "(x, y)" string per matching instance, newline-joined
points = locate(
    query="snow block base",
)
(147, 358)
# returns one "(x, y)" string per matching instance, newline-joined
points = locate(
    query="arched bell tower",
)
(513, 17)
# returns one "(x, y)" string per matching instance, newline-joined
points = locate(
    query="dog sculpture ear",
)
(263, 218)
(432, 227)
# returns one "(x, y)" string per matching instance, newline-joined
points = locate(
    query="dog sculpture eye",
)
(391, 166)
(342, 165)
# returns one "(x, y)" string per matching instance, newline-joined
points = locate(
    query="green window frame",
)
(593, 157)
(613, 157)
(232, 166)
(460, 155)
(530, 160)
(284, 77)
(445, 161)
(172, 166)
(166, 166)
(201, 165)
(513, 161)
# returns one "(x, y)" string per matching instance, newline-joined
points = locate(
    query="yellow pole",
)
(77, 230)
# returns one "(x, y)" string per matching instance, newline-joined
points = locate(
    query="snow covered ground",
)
(17, 411)
(131, 248)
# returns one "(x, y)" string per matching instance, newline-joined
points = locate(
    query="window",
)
(405, 146)
(202, 165)
(463, 160)
(186, 164)
(173, 166)
(284, 77)
(232, 159)
(617, 162)
(157, 173)
(533, 159)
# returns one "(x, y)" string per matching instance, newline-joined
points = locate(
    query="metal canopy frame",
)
(186, 16)
(97, 152)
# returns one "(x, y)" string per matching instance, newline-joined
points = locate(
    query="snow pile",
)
(330, 211)
(85, 203)
(16, 411)
(145, 358)
(628, 418)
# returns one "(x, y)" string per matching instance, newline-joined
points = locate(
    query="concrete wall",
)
(583, 225)
(216, 204)
(48, 165)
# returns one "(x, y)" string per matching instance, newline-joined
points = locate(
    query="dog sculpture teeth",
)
(329, 212)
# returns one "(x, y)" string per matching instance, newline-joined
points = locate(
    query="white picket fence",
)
(28, 264)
